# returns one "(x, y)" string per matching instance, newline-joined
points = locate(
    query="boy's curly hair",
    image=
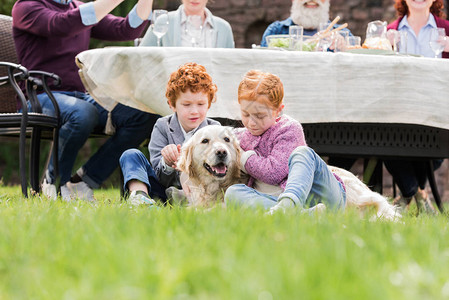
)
(256, 83)
(436, 9)
(190, 76)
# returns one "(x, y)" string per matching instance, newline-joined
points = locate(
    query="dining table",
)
(365, 104)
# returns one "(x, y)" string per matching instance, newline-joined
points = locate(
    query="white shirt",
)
(208, 35)
(419, 44)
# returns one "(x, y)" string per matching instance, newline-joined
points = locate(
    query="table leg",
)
(433, 185)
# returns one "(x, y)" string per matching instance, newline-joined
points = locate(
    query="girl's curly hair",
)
(192, 77)
(256, 83)
(436, 9)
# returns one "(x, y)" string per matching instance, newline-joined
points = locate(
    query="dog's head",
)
(213, 153)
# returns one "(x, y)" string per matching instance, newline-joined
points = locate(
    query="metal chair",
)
(21, 116)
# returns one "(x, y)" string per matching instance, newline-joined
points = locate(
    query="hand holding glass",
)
(160, 24)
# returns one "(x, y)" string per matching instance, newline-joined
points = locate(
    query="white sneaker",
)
(80, 190)
(49, 190)
(140, 199)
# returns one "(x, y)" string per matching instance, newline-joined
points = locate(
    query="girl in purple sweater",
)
(284, 172)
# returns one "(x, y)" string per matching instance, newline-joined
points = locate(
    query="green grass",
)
(57, 250)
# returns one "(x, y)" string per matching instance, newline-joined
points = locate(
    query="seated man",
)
(306, 13)
(48, 34)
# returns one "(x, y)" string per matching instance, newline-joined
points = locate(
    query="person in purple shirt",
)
(48, 34)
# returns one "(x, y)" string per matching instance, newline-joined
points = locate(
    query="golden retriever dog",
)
(211, 161)
(360, 196)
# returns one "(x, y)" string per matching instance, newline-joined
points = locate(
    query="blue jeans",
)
(135, 166)
(309, 182)
(80, 116)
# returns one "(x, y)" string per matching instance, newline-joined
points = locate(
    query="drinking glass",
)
(393, 37)
(437, 40)
(295, 33)
(353, 42)
(340, 41)
(323, 26)
(325, 42)
(194, 29)
(403, 40)
(160, 24)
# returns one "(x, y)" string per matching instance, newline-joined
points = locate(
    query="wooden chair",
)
(29, 121)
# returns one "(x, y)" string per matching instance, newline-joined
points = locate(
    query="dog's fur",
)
(216, 148)
(211, 160)
(359, 195)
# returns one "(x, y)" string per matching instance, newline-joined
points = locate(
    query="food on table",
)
(309, 45)
(283, 41)
(377, 43)
(279, 42)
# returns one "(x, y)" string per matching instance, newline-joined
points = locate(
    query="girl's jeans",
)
(309, 182)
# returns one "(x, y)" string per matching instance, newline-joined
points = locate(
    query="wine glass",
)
(160, 24)
(437, 40)
(325, 39)
(194, 29)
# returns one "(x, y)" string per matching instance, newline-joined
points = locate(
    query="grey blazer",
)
(167, 131)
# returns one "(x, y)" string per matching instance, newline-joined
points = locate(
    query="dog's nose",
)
(221, 154)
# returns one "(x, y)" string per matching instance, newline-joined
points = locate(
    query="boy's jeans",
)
(135, 165)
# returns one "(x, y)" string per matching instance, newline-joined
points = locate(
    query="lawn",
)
(57, 250)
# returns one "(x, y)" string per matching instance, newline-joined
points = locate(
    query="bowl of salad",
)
(278, 41)
(282, 41)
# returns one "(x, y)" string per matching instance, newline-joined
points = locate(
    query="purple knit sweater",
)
(49, 35)
(273, 149)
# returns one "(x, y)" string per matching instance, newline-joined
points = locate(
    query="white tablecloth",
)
(319, 87)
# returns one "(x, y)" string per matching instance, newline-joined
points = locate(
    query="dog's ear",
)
(238, 151)
(184, 163)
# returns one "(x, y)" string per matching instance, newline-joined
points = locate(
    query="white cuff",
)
(245, 157)
(166, 168)
(87, 12)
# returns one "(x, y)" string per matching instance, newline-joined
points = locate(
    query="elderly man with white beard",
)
(306, 13)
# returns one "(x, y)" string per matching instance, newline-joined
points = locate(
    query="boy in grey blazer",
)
(190, 92)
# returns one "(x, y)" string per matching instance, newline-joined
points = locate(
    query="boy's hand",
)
(170, 153)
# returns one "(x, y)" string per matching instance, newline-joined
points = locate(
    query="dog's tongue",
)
(219, 169)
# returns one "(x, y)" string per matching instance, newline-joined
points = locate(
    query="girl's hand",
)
(170, 153)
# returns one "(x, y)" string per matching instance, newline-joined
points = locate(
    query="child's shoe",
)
(80, 190)
(49, 190)
(140, 198)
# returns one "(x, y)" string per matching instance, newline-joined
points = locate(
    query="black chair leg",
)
(433, 185)
(22, 161)
(122, 180)
(55, 152)
(34, 159)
